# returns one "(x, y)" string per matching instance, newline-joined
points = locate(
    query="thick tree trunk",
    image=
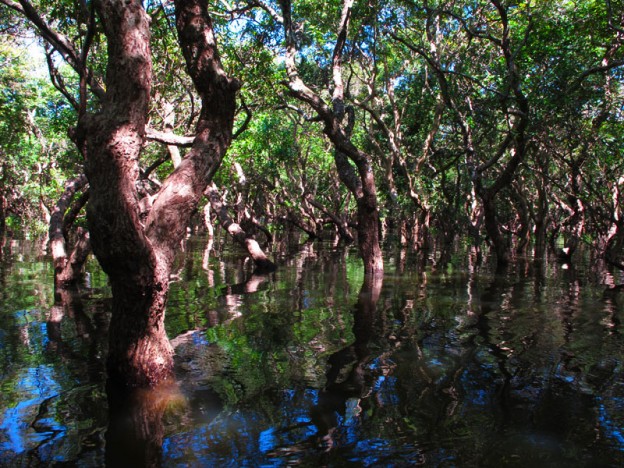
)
(139, 351)
(499, 243)
(138, 257)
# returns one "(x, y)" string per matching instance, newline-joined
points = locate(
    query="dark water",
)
(313, 366)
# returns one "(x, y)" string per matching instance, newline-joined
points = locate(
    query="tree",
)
(136, 253)
(354, 166)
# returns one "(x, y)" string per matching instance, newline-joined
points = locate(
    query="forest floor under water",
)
(454, 365)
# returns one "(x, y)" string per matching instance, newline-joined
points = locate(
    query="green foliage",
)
(36, 154)
(394, 56)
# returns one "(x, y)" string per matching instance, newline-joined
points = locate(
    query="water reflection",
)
(136, 426)
(51, 395)
(315, 364)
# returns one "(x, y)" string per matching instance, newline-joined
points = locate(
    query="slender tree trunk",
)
(67, 266)
(263, 264)
(522, 211)
(361, 181)
(3, 213)
(541, 215)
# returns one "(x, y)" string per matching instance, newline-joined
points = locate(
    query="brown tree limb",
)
(262, 262)
(65, 270)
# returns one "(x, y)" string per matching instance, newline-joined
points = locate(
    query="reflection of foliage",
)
(454, 365)
(272, 343)
(275, 349)
(52, 398)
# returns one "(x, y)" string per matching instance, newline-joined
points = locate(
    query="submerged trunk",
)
(540, 223)
(499, 243)
(67, 264)
(359, 180)
(615, 242)
(615, 246)
(368, 232)
(139, 351)
(263, 264)
(138, 257)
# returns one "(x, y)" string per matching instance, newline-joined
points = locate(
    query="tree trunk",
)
(368, 233)
(523, 214)
(501, 247)
(263, 264)
(360, 181)
(615, 242)
(67, 267)
(139, 351)
(540, 220)
(3, 214)
(614, 246)
(138, 257)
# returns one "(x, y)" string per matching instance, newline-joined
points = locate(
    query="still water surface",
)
(313, 365)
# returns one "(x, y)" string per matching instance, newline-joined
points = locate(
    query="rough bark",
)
(139, 351)
(262, 262)
(137, 257)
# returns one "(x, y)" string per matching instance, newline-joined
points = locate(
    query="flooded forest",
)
(270, 233)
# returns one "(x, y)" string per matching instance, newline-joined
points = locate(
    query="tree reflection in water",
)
(136, 427)
(317, 365)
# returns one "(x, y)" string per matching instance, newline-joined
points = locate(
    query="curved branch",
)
(168, 138)
(180, 193)
(262, 262)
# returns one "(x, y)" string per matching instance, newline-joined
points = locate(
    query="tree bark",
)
(263, 264)
(361, 181)
(67, 266)
(136, 257)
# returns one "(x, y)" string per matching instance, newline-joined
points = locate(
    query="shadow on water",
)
(440, 364)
